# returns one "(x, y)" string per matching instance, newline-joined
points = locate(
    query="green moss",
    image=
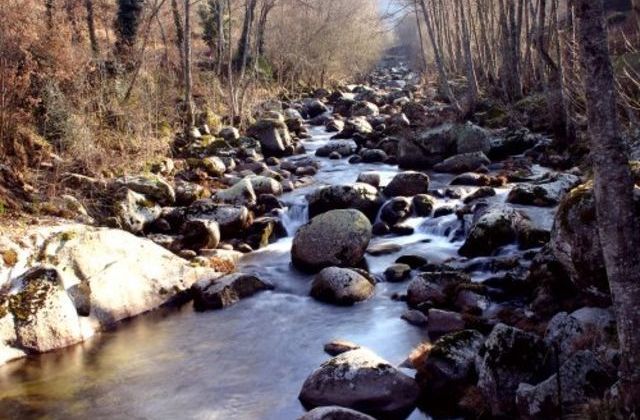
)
(445, 345)
(25, 305)
(574, 199)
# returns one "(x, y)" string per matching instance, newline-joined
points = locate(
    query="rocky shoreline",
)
(531, 338)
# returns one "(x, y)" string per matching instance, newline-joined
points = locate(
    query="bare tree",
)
(188, 78)
(91, 26)
(618, 226)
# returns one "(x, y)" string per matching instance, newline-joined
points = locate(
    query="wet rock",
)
(334, 125)
(226, 291)
(397, 273)
(413, 261)
(381, 229)
(472, 179)
(396, 210)
(151, 186)
(134, 212)
(513, 143)
(364, 109)
(335, 413)
(466, 162)
(200, 234)
(314, 107)
(188, 192)
(383, 249)
(371, 178)
(547, 192)
(482, 192)
(407, 184)
(337, 347)
(373, 155)
(444, 322)
(582, 377)
(493, 228)
(435, 288)
(448, 369)
(263, 231)
(509, 357)
(355, 126)
(358, 196)
(341, 286)
(415, 317)
(335, 238)
(423, 205)
(443, 211)
(361, 380)
(428, 148)
(343, 148)
(45, 316)
(241, 193)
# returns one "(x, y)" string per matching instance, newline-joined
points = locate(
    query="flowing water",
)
(245, 362)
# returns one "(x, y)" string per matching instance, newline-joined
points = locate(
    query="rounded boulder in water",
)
(335, 238)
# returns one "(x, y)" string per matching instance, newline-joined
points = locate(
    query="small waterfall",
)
(297, 214)
(445, 226)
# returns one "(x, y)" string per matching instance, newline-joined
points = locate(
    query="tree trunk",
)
(127, 24)
(261, 32)
(177, 22)
(444, 81)
(244, 44)
(618, 226)
(220, 41)
(472, 82)
(423, 62)
(188, 99)
(91, 26)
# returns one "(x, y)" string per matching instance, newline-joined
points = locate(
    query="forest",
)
(320, 209)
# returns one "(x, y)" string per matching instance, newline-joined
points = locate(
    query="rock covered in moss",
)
(361, 380)
(448, 368)
(335, 238)
(547, 192)
(435, 289)
(509, 357)
(133, 211)
(497, 226)
(582, 377)
(153, 187)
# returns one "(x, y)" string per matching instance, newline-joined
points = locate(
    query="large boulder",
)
(508, 358)
(314, 107)
(448, 368)
(344, 148)
(341, 286)
(335, 238)
(44, 314)
(222, 292)
(200, 234)
(470, 138)
(575, 242)
(273, 135)
(80, 280)
(407, 184)
(581, 378)
(359, 196)
(265, 185)
(495, 227)
(466, 162)
(547, 192)
(428, 148)
(361, 380)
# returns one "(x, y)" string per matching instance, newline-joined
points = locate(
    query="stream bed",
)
(248, 361)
